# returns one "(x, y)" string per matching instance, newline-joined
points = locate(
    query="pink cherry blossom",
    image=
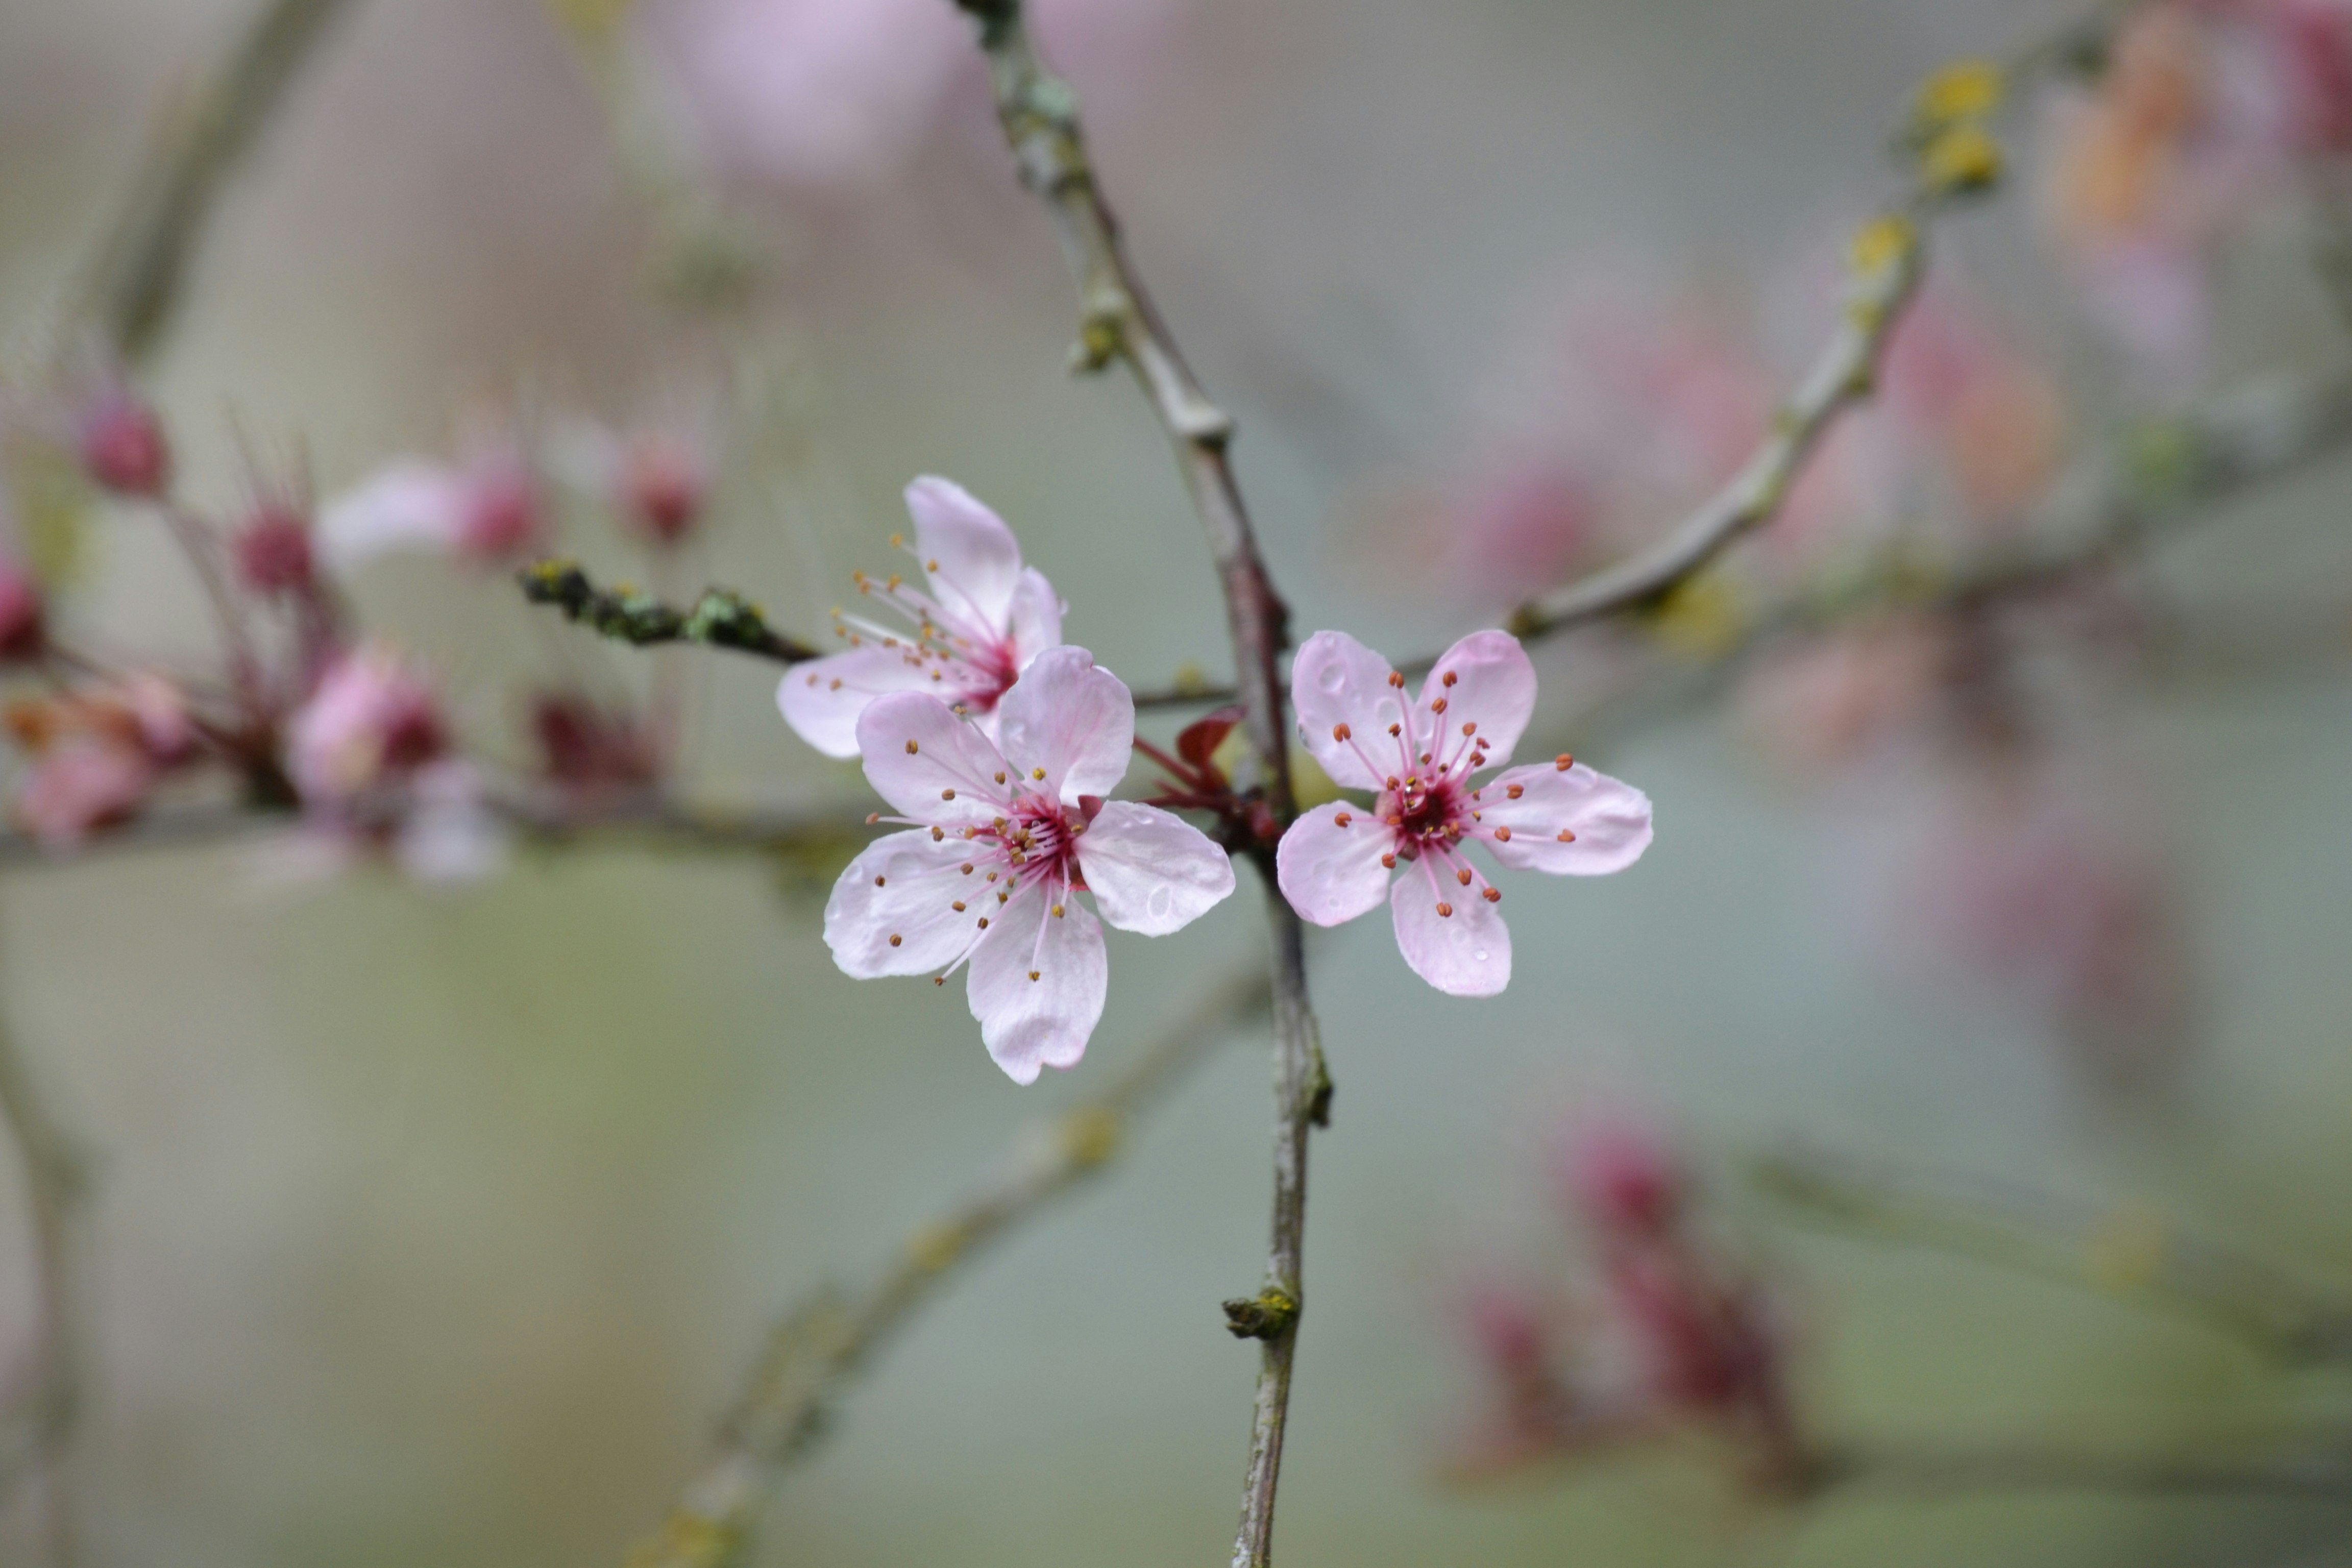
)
(1559, 817)
(985, 617)
(486, 508)
(373, 721)
(1000, 843)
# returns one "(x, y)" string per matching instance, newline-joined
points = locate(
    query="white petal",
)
(1331, 871)
(449, 836)
(904, 884)
(1149, 871)
(1610, 820)
(1335, 681)
(1494, 687)
(824, 699)
(1037, 621)
(1465, 953)
(1046, 1022)
(409, 504)
(930, 765)
(1071, 718)
(969, 556)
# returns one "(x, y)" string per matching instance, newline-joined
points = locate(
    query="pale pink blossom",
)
(841, 93)
(373, 721)
(486, 508)
(371, 755)
(968, 639)
(655, 479)
(1559, 816)
(84, 784)
(1000, 843)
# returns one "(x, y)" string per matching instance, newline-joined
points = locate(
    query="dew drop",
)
(1480, 955)
(1331, 678)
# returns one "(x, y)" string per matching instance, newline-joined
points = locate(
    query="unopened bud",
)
(123, 445)
(273, 553)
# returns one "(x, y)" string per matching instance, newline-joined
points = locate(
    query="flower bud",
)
(663, 488)
(23, 618)
(273, 553)
(123, 447)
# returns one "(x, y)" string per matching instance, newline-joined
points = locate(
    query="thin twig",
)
(2322, 1473)
(815, 1353)
(720, 618)
(141, 267)
(43, 1389)
(2131, 1253)
(1118, 323)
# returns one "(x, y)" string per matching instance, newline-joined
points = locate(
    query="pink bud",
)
(273, 553)
(663, 488)
(23, 620)
(84, 784)
(1625, 1181)
(501, 516)
(123, 445)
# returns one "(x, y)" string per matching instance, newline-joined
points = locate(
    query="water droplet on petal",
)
(1331, 678)
(1480, 955)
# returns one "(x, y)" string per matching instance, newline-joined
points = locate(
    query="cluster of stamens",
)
(1033, 839)
(955, 646)
(1427, 804)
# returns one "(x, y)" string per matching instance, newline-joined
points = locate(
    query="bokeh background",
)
(438, 1226)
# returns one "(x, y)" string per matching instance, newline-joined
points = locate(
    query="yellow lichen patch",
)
(1964, 89)
(935, 1248)
(1701, 619)
(1881, 243)
(1963, 158)
(1090, 1135)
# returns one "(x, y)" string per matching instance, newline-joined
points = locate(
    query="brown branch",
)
(141, 268)
(2134, 1256)
(37, 1410)
(1119, 323)
(815, 1352)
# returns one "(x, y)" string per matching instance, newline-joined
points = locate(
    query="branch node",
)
(1265, 1316)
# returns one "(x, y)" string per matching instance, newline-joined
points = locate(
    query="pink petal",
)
(1151, 872)
(1494, 688)
(903, 885)
(823, 699)
(1330, 873)
(1036, 619)
(1032, 1024)
(1336, 680)
(1610, 820)
(929, 763)
(1071, 718)
(971, 559)
(407, 505)
(1467, 953)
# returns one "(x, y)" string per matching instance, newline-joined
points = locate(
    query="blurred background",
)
(439, 1223)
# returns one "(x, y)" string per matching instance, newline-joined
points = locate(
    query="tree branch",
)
(1119, 322)
(40, 1398)
(720, 618)
(2135, 1255)
(140, 267)
(815, 1352)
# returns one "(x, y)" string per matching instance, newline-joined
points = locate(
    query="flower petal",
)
(1493, 687)
(1072, 718)
(1336, 680)
(1149, 871)
(1046, 1022)
(1331, 873)
(407, 505)
(902, 885)
(1610, 820)
(824, 699)
(929, 763)
(1465, 953)
(969, 556)
(1036, 618)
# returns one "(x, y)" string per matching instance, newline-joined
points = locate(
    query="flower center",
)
(1425, 810)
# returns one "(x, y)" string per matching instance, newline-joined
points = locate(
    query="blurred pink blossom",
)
(835, 94)
(486, 508)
